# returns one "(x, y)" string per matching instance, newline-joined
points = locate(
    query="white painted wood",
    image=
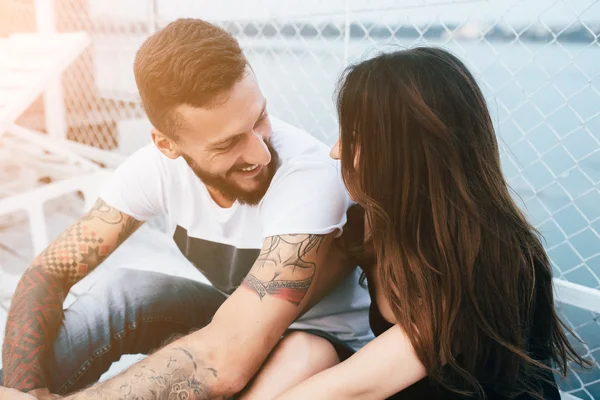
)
(55, 146)
(29, 63)
(33, 201)
(44, 16)
(108, 158)
(577, 295)
(37, 226)
(54, 105)
(85, 183)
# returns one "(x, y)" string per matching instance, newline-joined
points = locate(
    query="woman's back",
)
(381, 319)
(427, 389)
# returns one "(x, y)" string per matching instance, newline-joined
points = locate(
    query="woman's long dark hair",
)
(464, 272)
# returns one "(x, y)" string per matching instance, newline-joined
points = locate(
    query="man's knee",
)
(112, 306)
(107, 297)
(126, 298)
(122, 291)
(117, 282)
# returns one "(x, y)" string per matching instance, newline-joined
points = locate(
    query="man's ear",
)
(165, 144)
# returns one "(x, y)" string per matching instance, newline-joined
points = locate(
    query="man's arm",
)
(12, 394)
(291, 273)
(36, 309)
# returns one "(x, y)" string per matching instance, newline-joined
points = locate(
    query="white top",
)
(306, 196)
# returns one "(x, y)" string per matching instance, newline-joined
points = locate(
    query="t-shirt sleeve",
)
(136, 188)
(309, 198)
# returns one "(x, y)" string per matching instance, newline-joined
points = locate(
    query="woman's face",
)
(335, 150)
(336, 154)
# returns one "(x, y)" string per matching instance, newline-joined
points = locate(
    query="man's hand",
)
(12, 394)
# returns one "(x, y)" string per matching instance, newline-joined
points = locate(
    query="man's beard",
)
(229, 189)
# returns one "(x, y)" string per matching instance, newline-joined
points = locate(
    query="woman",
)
(462, 302)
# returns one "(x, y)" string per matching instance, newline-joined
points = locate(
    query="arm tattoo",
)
(187, 353)
(105, 213)
(36, 308)
(33, 321)
(129, 226)
(284, 268)
(180, 377)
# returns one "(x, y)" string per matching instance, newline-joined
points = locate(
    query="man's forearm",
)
(176, 372)
(33, 320)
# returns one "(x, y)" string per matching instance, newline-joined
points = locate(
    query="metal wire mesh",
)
(537, 61)
(93, 113)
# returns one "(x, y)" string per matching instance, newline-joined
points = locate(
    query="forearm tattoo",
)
(33, 319)
(36, 309)
(284, 268)
(173, 374)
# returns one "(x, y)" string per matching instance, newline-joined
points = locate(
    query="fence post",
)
(54, 106)
(346, 32)
(153, 17)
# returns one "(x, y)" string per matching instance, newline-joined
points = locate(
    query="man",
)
(254, 204)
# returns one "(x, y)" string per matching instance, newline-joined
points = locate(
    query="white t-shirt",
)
(306, 196)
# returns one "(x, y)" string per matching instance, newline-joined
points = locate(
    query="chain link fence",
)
(538, 62)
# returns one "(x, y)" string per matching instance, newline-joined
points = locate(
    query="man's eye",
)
(225, 146)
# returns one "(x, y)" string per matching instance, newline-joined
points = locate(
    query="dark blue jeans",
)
(126, 312)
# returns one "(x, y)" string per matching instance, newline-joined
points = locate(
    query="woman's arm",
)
(385, 366)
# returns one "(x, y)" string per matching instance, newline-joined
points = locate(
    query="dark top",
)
(426, 389)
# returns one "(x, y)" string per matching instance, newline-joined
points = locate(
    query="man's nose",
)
(257, 151)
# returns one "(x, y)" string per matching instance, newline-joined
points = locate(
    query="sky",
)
(415, 11)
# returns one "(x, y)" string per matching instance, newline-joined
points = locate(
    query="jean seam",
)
(101, 351)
